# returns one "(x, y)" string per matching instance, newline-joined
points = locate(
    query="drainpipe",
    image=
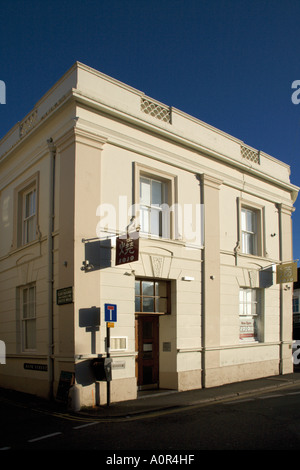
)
(52, 151)
(203, 316)
(280, 293)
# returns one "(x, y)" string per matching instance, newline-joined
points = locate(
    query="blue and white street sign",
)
(110, 312)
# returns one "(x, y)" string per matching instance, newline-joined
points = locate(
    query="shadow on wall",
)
(89, 318)
(266, 277)
(97, 255)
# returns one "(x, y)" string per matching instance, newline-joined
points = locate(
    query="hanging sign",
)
(127, 248)
(286, 273)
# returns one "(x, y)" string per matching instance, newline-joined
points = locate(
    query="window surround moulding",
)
(32, 181)
(260, 210)
(169, 179)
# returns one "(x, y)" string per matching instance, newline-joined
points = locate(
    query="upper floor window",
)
(251, 228)
(29, 216)
(153, 196)
(155, 201)
(249, 231)
(26, 211)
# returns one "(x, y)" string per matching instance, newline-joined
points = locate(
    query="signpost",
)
(110, 316)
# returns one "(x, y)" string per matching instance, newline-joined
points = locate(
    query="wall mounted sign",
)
(127, 249)
(39, 367)
(66, 381)
(64, 296)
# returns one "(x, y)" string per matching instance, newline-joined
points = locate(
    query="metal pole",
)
(108, 356)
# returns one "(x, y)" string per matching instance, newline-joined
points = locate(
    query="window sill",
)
(173, 241)
(16, 249)
(260, 257)
(152, 313)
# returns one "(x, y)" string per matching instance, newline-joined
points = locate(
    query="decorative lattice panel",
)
(156, 110)
(250, 154)
(28, 123)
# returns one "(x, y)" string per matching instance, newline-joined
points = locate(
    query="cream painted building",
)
(199, 308)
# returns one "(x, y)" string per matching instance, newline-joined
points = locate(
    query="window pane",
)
(248, 243)
(148, 288)
(243, 221)
(137, 288)
(148, 304)
(27, 212)
(245, 248)
(250, 222)
(30, 229)
(156, 222)
(145, 191)
(29, 334)
(156, 193)
(25, 296)
(144, 219)
(250, 314)
(242, 302)
(33, 207)
(137, 304)
(161, 288)
(30, 204)
(31, 302)
(25, 314)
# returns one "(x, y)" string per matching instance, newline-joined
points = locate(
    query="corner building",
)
(200, 307)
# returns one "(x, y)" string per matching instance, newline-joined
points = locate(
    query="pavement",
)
(159, 401)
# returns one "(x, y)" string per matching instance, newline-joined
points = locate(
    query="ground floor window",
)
(152, 296)
(250, 313)
(296, 304)
(28, 317)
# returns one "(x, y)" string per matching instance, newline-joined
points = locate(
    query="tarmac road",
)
(256, 415)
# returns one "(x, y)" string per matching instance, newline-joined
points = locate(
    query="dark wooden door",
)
(147, 345)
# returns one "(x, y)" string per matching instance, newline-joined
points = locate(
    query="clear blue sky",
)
(230, 63)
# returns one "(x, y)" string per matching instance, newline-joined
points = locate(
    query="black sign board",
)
(64, 296)
(39, 367)
(127, 248)
(66, 381)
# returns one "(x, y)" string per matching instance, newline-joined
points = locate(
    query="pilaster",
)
(210, 194)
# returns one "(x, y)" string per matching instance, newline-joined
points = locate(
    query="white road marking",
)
(270, 396)
(44, 437)
(242, 400)
(85, 425)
